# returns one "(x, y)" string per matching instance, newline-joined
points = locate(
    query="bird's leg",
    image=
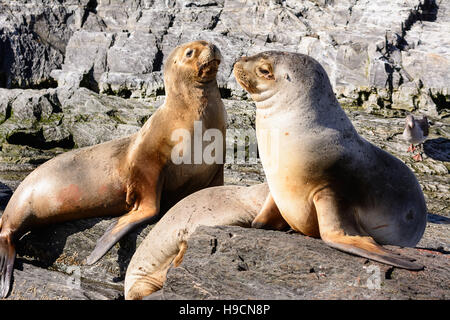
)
(411, 148)
(418, 157)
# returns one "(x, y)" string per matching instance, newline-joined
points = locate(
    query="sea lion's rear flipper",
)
(269, 217)
(179, 257)
(117, 230)
(339, 229)
(367, 248)
(7, 256)
(151, 282)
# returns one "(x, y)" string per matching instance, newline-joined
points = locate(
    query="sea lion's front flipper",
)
(7, 256)
(269, 217)
(367, 248)
(118, 229)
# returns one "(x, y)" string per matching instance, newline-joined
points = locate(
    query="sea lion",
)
(325, 179)
(132, 177)
(166, 243)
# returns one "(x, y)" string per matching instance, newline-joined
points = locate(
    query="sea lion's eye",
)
(189, 53)
(264, 72)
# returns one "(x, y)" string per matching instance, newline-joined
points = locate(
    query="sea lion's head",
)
(266, 73)
(192, 62)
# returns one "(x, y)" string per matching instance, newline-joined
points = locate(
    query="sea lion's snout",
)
(216, 53)
(241, 75)
(208, 61)
(256, 75)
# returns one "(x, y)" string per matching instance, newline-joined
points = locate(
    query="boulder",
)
(251, 264)
(396, 49)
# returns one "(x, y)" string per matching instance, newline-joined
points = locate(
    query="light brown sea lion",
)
(325, 179)
(132, 177)
(166, 243)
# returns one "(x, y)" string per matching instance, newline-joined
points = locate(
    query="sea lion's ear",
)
(265, 71)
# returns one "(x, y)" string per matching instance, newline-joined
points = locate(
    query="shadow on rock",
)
(65, 243)
(128, 245)
(5, 195)
(435, 218)
(438, 149)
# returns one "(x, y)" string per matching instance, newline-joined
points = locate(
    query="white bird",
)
(416, 132)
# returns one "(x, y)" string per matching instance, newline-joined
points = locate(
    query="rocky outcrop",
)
(62, 248)
(248, 264)
(384, 56)
(33, 39)
(51, 120)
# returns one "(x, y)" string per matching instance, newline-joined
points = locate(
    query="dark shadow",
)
(126, 250)
(437, 149)
(438, 250)
(435, 218)
(37, 140)
(158, 61)
(225, 93)
(88, 81)
(46, 244)
(5, 195)
(6, 61)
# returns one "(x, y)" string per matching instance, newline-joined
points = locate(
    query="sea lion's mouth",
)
(209, 68)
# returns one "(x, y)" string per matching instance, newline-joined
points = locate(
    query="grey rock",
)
(259, 264)
(40, 284)
(33, 37)
(396, 50)
(48, 119)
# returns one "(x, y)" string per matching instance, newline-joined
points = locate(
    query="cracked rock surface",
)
(257, 264)
(379, 55)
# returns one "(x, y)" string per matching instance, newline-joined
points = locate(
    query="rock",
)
(250, 264)
(86, 54)
(397, 50)
(53, 120)
(59, 252)
(40, 284)
(33, 37)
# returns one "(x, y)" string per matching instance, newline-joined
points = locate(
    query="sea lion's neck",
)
(191, 97)
(308, 110)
